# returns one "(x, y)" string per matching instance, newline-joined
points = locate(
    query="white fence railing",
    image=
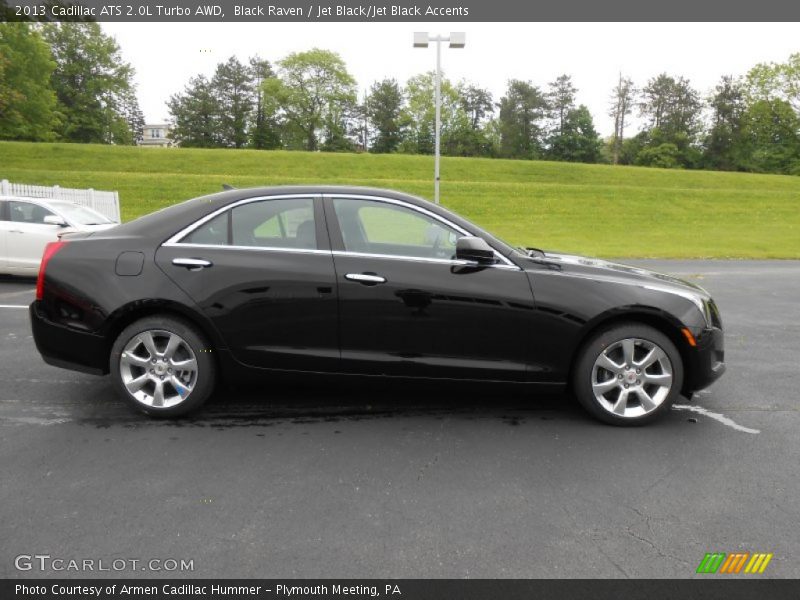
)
(106, 203)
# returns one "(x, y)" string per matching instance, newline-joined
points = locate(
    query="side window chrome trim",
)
(249, 248)
(175, 239)
(422, 259)
(418, 209)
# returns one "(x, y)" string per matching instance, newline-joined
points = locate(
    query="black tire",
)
(583, 373)
(203, 380)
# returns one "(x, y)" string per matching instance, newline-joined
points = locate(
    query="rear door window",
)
(281, 223)
(284, 223)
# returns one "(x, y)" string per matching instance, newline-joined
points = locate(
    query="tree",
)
(578, 141)
(622, 99)
(521, 112)
(771, 130)
(665, 156)
(631, 148)
(341, 126)
(232, 86)
(361, 127)
(561, 99)
(195, 115)
(724, 143)
(462, 140)
(573, 136)
(265, 131)
(775, 81)
(420, 113)
(311, 85)
(671, 105)
(92, 83)
(468, 134)
(231, 110)
(27, 103)
(476, 102)
(8, 93)
(687, 154)
(133, 132)
(385, 114)
(672, 108)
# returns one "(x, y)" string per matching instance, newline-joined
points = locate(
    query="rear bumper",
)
(706, 360)
(68, 348)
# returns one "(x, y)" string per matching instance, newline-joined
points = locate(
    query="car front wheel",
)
(162, 366)
(628, 374)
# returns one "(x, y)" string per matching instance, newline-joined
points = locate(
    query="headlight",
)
(702, 305)
(708, 308)
(699, 301)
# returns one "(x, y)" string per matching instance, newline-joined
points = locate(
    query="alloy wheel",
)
(632, 377)
(158, 368)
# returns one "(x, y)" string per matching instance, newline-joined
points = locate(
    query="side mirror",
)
(474, 249)
(55, 220)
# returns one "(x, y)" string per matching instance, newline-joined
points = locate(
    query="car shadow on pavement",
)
(314, 401)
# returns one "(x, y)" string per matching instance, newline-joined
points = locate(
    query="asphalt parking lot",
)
(312, 480)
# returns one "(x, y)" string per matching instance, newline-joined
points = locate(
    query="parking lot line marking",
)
(13, 306)
(717, 417)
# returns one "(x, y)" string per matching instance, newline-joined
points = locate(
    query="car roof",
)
(164, 222)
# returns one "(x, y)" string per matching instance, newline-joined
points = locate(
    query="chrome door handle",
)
(365, 278)
(193, 264)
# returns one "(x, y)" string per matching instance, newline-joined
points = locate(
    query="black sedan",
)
(356, 281)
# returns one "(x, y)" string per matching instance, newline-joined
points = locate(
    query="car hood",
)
(603, 270)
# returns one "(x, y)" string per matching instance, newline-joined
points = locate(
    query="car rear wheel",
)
(629, 374)
(163, 366)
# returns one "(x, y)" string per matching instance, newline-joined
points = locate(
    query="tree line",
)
(309, 101)
(747, 123)
(69, 82)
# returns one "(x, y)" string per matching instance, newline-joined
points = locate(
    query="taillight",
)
(49, 252)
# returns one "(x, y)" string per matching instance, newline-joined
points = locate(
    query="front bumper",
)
(706, 361)
(68, 348)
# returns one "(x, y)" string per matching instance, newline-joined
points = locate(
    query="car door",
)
(4, 233)
(27, 235)
(262, 272)
(408, 307)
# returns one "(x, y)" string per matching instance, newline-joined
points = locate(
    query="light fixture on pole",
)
(457, 39)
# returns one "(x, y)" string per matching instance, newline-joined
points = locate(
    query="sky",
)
(166, 55)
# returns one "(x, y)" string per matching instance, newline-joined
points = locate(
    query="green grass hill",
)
(600, 210)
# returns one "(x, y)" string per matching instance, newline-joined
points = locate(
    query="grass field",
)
(599, 210)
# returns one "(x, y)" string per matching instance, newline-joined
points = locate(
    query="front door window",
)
(381, 228)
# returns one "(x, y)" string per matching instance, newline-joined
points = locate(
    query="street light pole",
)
(438, 101)
(457, 39)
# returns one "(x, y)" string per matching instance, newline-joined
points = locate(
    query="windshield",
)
(80, 215)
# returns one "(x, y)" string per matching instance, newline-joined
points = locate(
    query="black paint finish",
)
(522, 319)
